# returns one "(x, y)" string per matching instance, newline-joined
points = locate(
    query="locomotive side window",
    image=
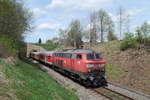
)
(79, 56)
(98, 56)
(73, 56)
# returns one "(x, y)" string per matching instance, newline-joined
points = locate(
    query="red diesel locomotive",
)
(87, 66)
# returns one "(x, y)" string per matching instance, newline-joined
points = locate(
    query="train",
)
(84, 65)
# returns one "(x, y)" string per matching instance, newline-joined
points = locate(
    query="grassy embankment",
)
(27, 82)
(48, 46)
(22, 81)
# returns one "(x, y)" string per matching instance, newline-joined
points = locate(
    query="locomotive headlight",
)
(90, 65)
(102, 65)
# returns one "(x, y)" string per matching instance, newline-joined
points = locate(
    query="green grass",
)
(114, 71)
(48, 46)
(30, 83)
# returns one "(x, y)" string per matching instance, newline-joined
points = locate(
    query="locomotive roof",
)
(77, 51)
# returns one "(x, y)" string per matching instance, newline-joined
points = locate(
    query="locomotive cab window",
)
(98, 56)
(90, 56)
(79, 56)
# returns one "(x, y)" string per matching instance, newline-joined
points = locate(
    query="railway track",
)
(123, 95)
(98, 92)
(116, 92)
(135, 95)
(112, 95)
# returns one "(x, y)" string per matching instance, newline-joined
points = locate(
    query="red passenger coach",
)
(35, 55)
(43, 56)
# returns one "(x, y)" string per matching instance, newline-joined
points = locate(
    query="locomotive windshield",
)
(90, 56)
(98, 56)
(93, 56)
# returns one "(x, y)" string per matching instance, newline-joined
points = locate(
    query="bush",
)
(9, 46)
(129, 42)
(147, 41)
(111, 37)
(139, 37)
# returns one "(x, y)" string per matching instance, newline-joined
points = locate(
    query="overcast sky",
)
(50, 15)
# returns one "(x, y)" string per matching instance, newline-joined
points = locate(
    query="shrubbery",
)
(14, 22)
(129, 42)
(9, 46)
(133, 41)
(142, 37)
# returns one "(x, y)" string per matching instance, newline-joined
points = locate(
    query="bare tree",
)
(104, 21)
(127, 23)
(111, 36)
(120, 21)
(62, 36)
(74, 37)
(93, 27)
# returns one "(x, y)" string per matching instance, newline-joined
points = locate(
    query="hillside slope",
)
(130, 68)
(22, 81)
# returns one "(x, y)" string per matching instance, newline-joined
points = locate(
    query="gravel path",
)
(82, 92)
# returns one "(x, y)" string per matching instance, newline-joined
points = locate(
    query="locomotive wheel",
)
(86, 83)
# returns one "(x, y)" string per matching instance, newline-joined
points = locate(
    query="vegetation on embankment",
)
(9, 47)
(15, 22)
(49, 45)
(23, 81)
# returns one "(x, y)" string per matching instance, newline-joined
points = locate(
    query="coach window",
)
(79, 56)
(70, 56)
(48, 57)
(73, 56)
(67, 55)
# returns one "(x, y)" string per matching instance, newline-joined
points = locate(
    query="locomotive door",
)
(78, 62)
(73, 56)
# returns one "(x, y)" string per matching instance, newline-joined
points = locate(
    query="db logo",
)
(64, 61)
(79, 62)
